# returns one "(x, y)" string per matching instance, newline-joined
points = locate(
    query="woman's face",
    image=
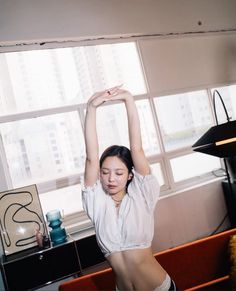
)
(114, 175)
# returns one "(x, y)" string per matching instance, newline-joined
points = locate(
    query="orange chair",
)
(196, 265)
(101, 280)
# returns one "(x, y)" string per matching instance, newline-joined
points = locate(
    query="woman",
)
(119, 196)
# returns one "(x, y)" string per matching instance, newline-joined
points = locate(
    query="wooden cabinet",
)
(32, 269)
(89, 252)
(24, 271)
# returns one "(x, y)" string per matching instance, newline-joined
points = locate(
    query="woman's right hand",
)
(99, 98)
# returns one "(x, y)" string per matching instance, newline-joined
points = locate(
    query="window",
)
(43, 148)
(41, 79)
(183, 118)
(116, 124)
(43, 95)
(228, 95)
(192, 165)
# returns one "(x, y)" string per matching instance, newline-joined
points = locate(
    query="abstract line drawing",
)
(20, 216)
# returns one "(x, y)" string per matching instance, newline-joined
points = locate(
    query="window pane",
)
(39, 79)
(44, 148)
(192, 165)
(113, 128)
(183, 118)
(67, 199)
(149, 136)
(228, 95)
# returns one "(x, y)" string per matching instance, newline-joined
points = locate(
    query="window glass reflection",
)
(112, 127)
(183, 118)
(193, 165)
(44, 148)
(40, 79)
(228, 95)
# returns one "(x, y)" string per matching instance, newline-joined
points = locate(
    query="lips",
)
(111, 186)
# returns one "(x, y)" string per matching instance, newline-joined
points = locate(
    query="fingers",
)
(120, 94)
(98, 95)
(106, 95)
(113, 90)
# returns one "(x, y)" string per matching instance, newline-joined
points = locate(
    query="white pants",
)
(165, 286)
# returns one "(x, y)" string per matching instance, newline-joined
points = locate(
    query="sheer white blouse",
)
(133, 226)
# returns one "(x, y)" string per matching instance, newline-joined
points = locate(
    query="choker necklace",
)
(118, 201)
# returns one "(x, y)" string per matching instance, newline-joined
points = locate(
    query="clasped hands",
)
(111, 94)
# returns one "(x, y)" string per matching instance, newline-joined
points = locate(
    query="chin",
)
(112, 192)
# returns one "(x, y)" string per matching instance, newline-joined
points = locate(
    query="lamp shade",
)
(219, 141)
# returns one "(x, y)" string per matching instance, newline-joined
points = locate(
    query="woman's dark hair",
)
(121, 152)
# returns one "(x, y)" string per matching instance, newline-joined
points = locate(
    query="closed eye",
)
(105, 172)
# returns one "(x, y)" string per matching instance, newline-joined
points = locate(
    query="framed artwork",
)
(20, 217)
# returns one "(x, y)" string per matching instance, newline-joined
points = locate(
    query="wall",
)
(200, 61)
(179, 218)
(189, 215)
(31, 21)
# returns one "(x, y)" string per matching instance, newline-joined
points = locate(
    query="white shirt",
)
(133, 226)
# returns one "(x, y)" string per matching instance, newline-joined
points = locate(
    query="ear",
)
(130, 176)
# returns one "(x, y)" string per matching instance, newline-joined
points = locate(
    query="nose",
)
(111, 177)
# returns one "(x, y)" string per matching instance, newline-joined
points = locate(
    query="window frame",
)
(79, 221)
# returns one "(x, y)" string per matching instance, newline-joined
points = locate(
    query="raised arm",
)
(140, 161)
(91, 144)
(91, 172)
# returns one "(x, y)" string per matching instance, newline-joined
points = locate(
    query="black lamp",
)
(220, 141)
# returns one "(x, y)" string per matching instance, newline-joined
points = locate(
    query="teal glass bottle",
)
(58, 233)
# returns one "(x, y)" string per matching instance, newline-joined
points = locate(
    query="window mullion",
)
(210, 98)
(5, 177)
(165, 164)
(38, 113)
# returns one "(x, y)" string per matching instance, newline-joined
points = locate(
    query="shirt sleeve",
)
(92, 197)
(148, 187)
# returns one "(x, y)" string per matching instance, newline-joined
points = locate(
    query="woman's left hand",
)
(120, 94)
